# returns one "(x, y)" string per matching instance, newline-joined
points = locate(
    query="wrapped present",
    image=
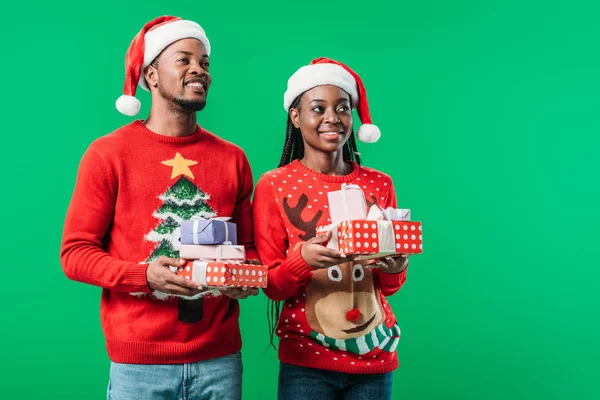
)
(396, 214)
(212, 252)
(375, 237)
(347, 203)
(208, 231)
(218, 274)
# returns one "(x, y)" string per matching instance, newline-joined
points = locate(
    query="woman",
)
(337, 332)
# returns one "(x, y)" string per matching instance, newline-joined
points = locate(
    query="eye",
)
(183, 60)
(205, 65)
(344, 109)
(317, 109)
(334, 273)
(358, 273)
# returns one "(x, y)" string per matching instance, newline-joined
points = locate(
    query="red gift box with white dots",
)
(222, 274)
(407, 237)
(378, 238)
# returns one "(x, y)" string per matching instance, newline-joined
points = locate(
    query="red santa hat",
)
(324, 71)
(154, 37)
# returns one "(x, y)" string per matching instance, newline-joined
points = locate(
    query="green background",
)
(489, 114)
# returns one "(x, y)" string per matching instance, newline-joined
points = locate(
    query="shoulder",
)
(222, 145)
(274, 178)
(277, 175)
(114, 142)
(374, 175)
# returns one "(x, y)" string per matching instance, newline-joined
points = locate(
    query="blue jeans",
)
(216, 379)
(308, 383)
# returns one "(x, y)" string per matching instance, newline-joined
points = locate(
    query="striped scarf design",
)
(380, 337)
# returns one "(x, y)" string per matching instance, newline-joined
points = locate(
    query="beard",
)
(185, 104)
(190, 105)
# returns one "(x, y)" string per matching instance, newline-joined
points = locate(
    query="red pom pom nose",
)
(353, 315)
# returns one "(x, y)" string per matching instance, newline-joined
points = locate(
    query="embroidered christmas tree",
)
(182, 201)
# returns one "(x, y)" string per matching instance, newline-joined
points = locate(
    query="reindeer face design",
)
(341, 302)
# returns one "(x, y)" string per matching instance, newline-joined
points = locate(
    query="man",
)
(166, 336)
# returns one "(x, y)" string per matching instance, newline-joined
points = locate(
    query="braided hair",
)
(293, 149)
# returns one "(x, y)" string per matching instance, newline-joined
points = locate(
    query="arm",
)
(287, 274)
(390, 283)
(89, 215)
(242, 212)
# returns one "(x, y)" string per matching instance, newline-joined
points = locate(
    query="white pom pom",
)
(128, 105)
(368, 133)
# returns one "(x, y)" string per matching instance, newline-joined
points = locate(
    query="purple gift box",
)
(208, 231)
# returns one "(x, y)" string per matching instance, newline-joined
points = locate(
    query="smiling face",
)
(341, 302)
(324, 118)
(180, 75)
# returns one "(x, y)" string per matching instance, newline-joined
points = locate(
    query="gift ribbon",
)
(345, 187)
(195, 232)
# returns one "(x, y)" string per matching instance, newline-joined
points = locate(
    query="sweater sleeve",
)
(389, 283)
(90, 213)
(242, 212)
(287, 274)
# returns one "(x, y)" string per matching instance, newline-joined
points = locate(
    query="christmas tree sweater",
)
(133, 189)
(337, 318)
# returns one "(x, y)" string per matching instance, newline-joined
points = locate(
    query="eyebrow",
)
(189, 53)
(323, 101)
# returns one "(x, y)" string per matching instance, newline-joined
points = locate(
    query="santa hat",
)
(324, 71)
(154, 37)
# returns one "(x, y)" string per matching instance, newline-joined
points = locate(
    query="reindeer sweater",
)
(133, 189)
(334, 319)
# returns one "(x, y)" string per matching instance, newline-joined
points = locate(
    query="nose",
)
(196, 69)
(331, 116)
(353, 315)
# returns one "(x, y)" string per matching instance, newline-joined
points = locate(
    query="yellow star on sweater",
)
(180, 165)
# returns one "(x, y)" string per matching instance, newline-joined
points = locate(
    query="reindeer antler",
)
(371, 203)
(295, 216)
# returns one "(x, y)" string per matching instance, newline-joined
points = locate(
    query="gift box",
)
(208, 231)
(396, 214)
(375, 237)
(347, 203)
(217, 274)
(212, 252)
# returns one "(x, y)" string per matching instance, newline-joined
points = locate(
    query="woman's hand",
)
(393, 264)
(317, 255)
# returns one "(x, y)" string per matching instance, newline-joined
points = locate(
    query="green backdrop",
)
(489, 113)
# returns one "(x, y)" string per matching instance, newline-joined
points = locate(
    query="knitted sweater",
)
(133, 189)
(333, 319)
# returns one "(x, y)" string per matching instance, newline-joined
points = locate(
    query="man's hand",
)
(241, 293)
(160, 277)
(394, 264)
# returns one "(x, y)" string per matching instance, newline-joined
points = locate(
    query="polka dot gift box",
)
(218, 274)
(376, 237)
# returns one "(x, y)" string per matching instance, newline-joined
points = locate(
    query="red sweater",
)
(333, 319)
(133, 188)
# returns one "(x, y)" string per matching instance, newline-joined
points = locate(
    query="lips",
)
(331, 136)
(361, 327)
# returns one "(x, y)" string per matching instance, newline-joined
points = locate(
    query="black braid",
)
(293, 149)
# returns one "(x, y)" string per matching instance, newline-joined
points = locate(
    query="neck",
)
(165, 120)
(326, 163)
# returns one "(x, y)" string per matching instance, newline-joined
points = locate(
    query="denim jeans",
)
(308, 383)
(216, 379)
